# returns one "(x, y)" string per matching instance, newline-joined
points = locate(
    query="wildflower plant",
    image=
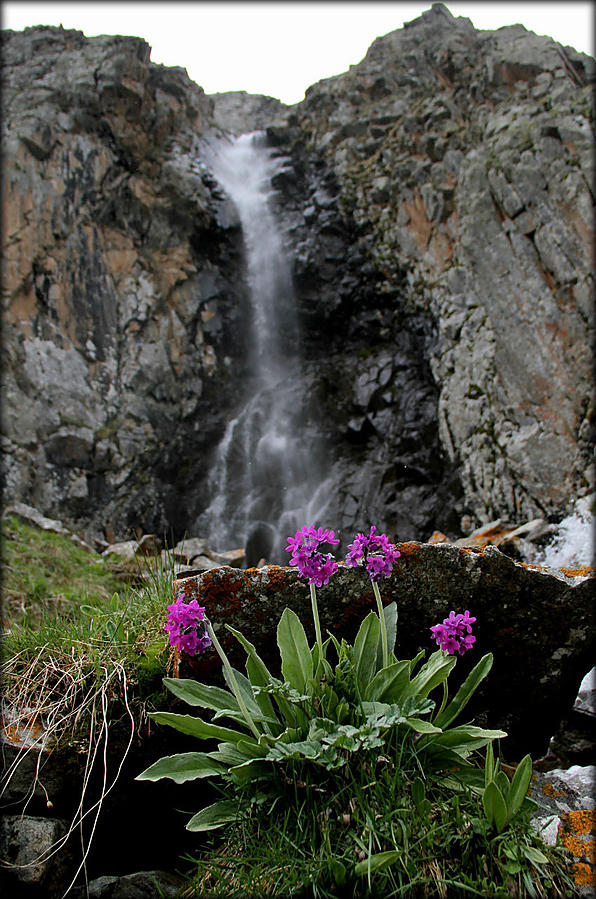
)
(318, 718)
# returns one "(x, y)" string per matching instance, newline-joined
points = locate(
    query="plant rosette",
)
(316, 714)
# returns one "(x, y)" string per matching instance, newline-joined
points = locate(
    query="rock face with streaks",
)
(437, 204)
(457, 165)
(120, 287)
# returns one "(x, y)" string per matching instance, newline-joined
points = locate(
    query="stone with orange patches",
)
(577, 833)
(585, 571)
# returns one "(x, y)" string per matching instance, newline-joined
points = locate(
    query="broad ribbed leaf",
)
(465, 692)
(250, 771)
(204, 695)
(365, 650)
(246, 691)
(216, 815)
(388, 684)
(494, 806)
(257, 671)
(432, 673)
(502, 781)
(465, 735)
(182, 767)
(519, 786)
(296, 658)
(196, 727)
(421, 726)
(229, 754)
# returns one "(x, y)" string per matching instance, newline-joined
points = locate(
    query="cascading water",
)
(267, 479)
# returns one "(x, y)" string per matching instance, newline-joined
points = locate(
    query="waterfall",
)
(266, 479)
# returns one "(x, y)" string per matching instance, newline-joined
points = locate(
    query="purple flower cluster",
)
(378, 553)
(455, 634)
(317, 567)
(186, 628)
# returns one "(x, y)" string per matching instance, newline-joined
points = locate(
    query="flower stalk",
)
(233, 682)
(315, 615)
(384, 642)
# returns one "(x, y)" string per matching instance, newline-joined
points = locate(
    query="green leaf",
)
(465, 692)
(388, 683)
(365, 650)
(413, 662)
(464, 734)
(494, 806)
(511, 867)
(489, 765)
(376, 862)
(296, 659)
(432, 673)
(248, 772)
(421, 726)
(196, 727)
(246, 690)
(535, 855)
(257, 671)
(263, 671)
(230, 755)
(418, 791)
(197, 694)
(215, 815)
(502, 781)
(182, 767)
(519, 786)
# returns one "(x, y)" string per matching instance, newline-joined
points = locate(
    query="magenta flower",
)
(186, 626)
(455, 634)
(317, 567)
(378, 553)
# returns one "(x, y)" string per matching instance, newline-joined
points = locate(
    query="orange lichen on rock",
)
(581, 821)
(551, 791)
(585, 571)
(583, 875)
(576, 833)
(408, 549)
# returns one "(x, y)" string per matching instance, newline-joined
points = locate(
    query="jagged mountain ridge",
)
(438, 204)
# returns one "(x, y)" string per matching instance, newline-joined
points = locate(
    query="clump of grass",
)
(43, 572)
(84, 654)
(376, 833)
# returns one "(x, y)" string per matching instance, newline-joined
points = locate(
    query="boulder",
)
(140, 885)
(537, 622)
(26, 844)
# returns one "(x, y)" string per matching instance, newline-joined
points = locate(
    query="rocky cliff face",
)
(461, 164)
(437, 200)
(121, 285)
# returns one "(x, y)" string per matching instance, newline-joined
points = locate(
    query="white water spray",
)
(265, 480)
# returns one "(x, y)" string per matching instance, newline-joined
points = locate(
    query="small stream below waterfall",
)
(267, 478)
